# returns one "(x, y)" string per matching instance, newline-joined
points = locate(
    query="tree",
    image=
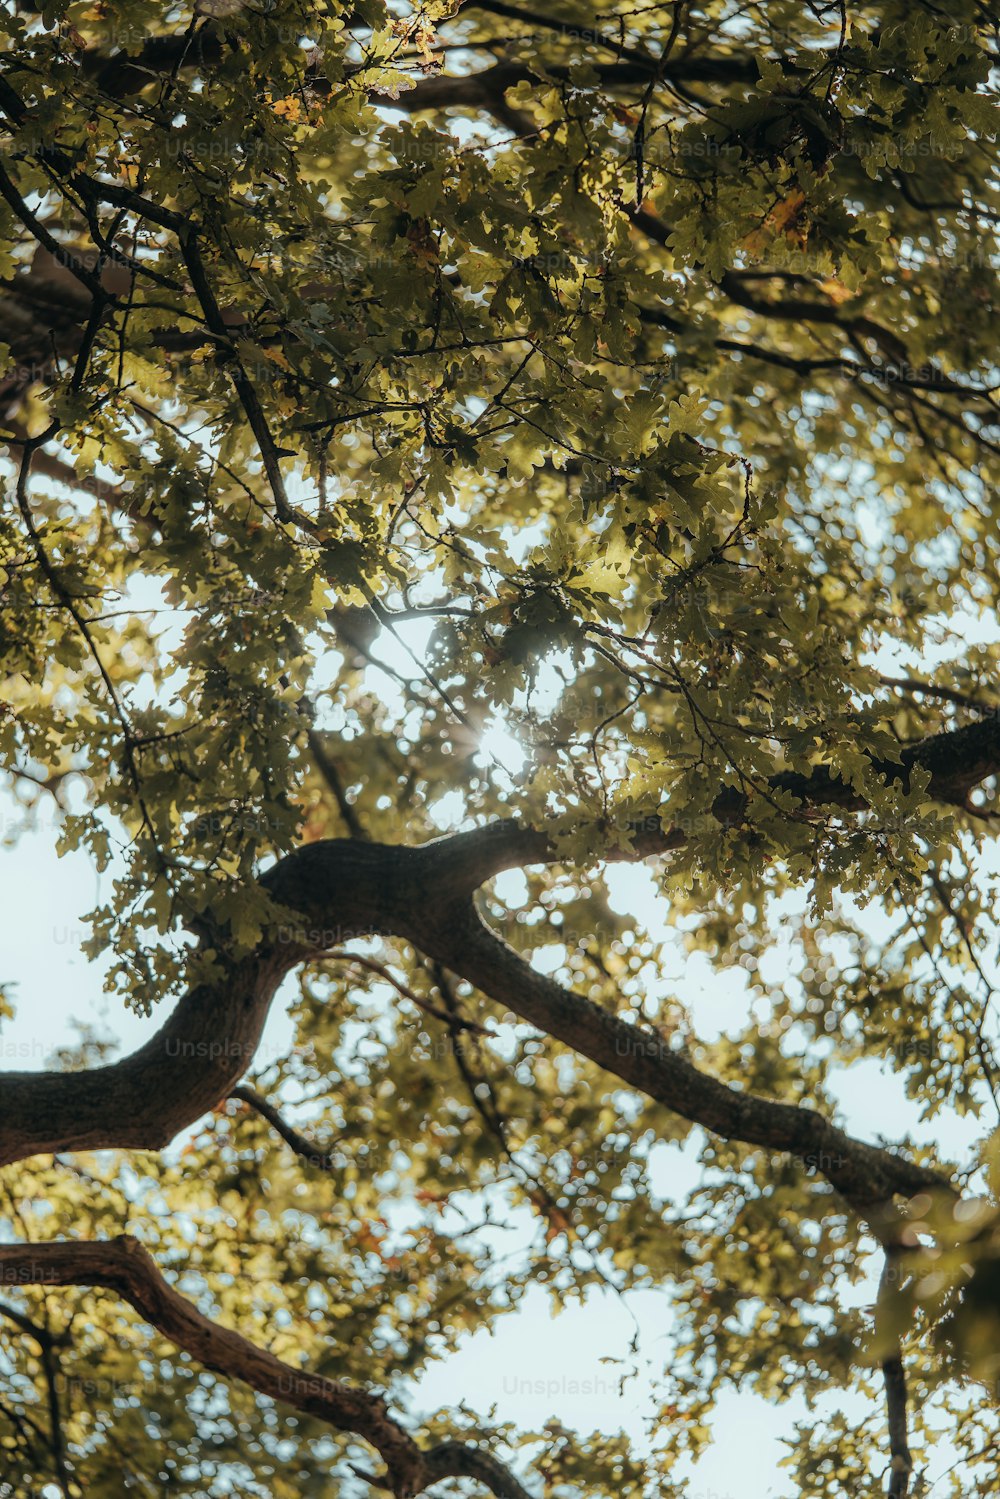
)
(477, 440)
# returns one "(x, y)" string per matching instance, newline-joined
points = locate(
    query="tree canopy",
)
(450, 451)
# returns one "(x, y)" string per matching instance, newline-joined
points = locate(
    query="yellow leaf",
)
(278, 358)
(287, 109)
(836, 290)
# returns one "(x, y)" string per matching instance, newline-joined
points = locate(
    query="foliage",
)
(576, 416)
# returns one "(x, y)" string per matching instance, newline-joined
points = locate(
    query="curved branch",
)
(349, 889)
(893, 367)
(867, 1176)
(124, 1266)
(457, 1460)
(343, 888)
(31, 1329)
(957, 761)
(300, 1143)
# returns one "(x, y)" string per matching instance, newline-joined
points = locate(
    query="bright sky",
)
(535, 1366)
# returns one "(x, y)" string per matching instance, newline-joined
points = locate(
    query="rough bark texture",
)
(344, 888)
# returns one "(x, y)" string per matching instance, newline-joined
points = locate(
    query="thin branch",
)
(244, 386)
(300, 1143)
(330, 773)
(44, 237)
(933, 689)
(374, 966)
(57, 1436)
(68, 602)
(35, 1330)
(894, 1376)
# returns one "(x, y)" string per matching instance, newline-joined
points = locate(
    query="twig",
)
(300, 1143)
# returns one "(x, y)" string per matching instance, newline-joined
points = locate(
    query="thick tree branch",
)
(127, 73)
(338, 889)
(124, 1266)
(867, 1176)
